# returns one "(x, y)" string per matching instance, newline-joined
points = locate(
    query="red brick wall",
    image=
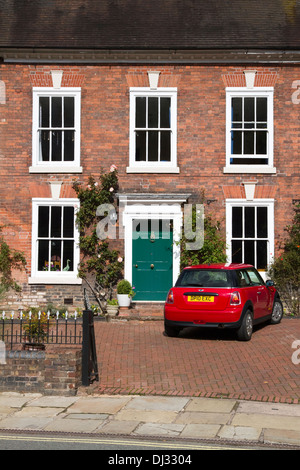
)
(105, 134)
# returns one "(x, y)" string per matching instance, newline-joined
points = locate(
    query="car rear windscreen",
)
(205, 278)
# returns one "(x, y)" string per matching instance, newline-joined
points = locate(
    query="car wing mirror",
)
(270, 283)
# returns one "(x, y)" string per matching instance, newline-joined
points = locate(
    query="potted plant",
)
(112, 308)
(125, 293)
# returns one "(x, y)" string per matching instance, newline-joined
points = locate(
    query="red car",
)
(221, 296)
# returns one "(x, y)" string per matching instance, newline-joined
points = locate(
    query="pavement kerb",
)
(194, 418)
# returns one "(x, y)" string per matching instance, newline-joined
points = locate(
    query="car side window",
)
(255, 277)
(243, 279)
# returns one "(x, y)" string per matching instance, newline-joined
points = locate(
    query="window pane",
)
(44, 111)
(236, 143)
(236, 109)
(56, 221)
(69, 111)
(140, 112)
(249, 222)
(68, 256)
(165, 112)
(56, 112)
(56, 146)
(153, 112)
(44, 146)
(237, 222)
(261, 143)
(43, 255)
(261, 109)
(249, 254)
(242, 278)
(254, 277)
(248, 143)
(153, 146)
(165, 146)
(43, 221)
(236, 251)
(68, 146)
(55, 255)
(262, 257)
(249, 109)
(68, 229)
(140, 146)
(262, 222)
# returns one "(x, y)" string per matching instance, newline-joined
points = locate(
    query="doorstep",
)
(142, 311)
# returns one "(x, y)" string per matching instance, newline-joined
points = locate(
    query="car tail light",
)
(170, 298)
(235, 298)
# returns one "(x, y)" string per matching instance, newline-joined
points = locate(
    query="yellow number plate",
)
(200, 298)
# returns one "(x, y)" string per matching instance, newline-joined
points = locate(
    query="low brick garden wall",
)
(53, 372)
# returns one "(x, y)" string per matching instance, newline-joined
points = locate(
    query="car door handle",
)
(259, 292)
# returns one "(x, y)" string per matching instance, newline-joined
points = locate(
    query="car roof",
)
(225, 266)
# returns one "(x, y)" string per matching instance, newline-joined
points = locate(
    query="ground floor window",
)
(250, 232)
(55, 251)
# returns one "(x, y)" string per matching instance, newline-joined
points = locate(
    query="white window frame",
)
(269, 203)
(55, 167)
(267, 92)
(153, 167)
(50, 277)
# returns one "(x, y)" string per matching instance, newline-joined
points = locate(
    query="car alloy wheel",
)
(277, 312)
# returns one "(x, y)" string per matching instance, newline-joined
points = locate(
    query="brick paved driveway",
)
(136, 358)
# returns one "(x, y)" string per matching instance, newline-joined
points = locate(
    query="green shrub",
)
(285, 270)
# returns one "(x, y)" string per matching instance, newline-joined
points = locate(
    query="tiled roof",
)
(150, 24)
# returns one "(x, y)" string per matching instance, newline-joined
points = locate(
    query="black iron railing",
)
(19, 328)
(32, 329)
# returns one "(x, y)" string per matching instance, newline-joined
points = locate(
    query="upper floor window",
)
(56, 130)
(153, 130)
(249, 130)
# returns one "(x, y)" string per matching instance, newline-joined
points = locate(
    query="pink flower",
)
(111, 189)
(113, 168)
(120, 259)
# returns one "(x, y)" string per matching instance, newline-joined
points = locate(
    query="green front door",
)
(152, 256)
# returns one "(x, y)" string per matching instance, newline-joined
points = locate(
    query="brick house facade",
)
(203, 127)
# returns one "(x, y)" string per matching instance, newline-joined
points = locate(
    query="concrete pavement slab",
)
(28, 423)
(74, 425)
(103, 404)
(255, 420)
(157, 403)
(5, 411)
(118, 427)
(159, 429)
(269, 408)
(282, 436)
(201, 431)
(101, 416)
(240, 433)
(53, 401)
(211, 405)
(12, 401)
(39, 412)
(153, 416)
(196, 417)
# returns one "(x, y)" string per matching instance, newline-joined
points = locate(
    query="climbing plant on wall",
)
(101, 266)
